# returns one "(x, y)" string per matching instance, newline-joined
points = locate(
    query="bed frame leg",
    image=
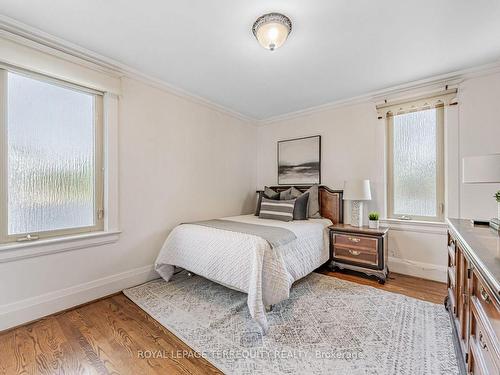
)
(269, 308)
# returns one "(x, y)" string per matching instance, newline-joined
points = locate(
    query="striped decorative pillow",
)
(277, 210)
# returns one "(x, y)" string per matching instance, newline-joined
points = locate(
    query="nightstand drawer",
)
(355, 254)
(358, 242)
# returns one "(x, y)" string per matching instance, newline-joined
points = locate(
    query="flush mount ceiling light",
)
(271, 30)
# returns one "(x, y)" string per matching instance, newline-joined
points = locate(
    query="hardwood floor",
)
(114, 336)
(410, 286)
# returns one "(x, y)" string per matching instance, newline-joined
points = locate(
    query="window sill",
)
(436, 227)
(17, 251)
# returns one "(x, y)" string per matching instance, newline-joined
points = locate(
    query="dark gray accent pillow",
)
(300, 211)
(313, 202)
(268, 193)
(277, 209)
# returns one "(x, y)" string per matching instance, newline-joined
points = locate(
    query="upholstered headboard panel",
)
(331, 205)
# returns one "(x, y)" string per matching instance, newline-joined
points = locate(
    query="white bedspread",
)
(246, 262)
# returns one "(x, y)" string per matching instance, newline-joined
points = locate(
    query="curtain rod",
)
(387, 103)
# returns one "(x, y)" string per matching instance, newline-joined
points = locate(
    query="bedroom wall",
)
(179, 161)
(353, 146)
(479, 134)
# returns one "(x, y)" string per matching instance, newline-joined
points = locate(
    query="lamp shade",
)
(357, 190)
(481, 169)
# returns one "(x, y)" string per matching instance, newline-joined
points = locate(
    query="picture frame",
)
(299, 161)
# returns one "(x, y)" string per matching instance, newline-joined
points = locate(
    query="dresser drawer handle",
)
(354, 252)
(481, 341)
(485, 296)
(353, 239)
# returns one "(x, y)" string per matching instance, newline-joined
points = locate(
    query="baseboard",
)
(418, 269)
(30, 309)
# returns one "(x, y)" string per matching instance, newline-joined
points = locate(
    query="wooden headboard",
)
(331, 205)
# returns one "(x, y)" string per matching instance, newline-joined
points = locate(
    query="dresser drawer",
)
(359, 242)
(476, 362)
(483, 346)
(355, 254)
(486, 303)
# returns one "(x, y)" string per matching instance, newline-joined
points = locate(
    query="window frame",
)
(98, 133)
(440, 172)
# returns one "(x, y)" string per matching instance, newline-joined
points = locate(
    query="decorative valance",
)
(436, 100)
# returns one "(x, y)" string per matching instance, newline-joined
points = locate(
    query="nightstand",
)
(359, 249)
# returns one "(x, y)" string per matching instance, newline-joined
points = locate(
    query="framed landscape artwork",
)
(299, 161)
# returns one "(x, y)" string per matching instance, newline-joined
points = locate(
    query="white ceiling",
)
(338, 48)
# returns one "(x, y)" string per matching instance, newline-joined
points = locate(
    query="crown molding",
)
(404, 91)
(31, 37)
(316, 109)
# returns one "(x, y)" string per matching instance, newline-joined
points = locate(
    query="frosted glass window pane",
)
(414, 163)
(50, 157)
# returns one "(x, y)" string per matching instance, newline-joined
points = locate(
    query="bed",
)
(251, 263)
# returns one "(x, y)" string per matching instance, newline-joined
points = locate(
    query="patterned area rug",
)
(327, 326)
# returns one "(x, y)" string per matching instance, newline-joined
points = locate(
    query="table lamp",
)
(357, 191)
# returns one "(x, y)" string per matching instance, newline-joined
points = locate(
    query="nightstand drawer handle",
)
(354, 252)
(353, 239)
(485, 296)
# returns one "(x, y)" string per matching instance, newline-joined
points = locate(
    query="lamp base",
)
(357, 213)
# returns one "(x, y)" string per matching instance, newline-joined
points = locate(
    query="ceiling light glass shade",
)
(272, 30)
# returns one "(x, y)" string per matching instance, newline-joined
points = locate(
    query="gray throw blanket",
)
(275, 236)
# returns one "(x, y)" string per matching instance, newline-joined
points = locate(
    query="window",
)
(415, 165)
(50, 159)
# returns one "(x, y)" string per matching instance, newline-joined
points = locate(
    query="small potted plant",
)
(497, 197)
(373, 220)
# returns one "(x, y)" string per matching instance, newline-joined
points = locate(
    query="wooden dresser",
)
(473, 299)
